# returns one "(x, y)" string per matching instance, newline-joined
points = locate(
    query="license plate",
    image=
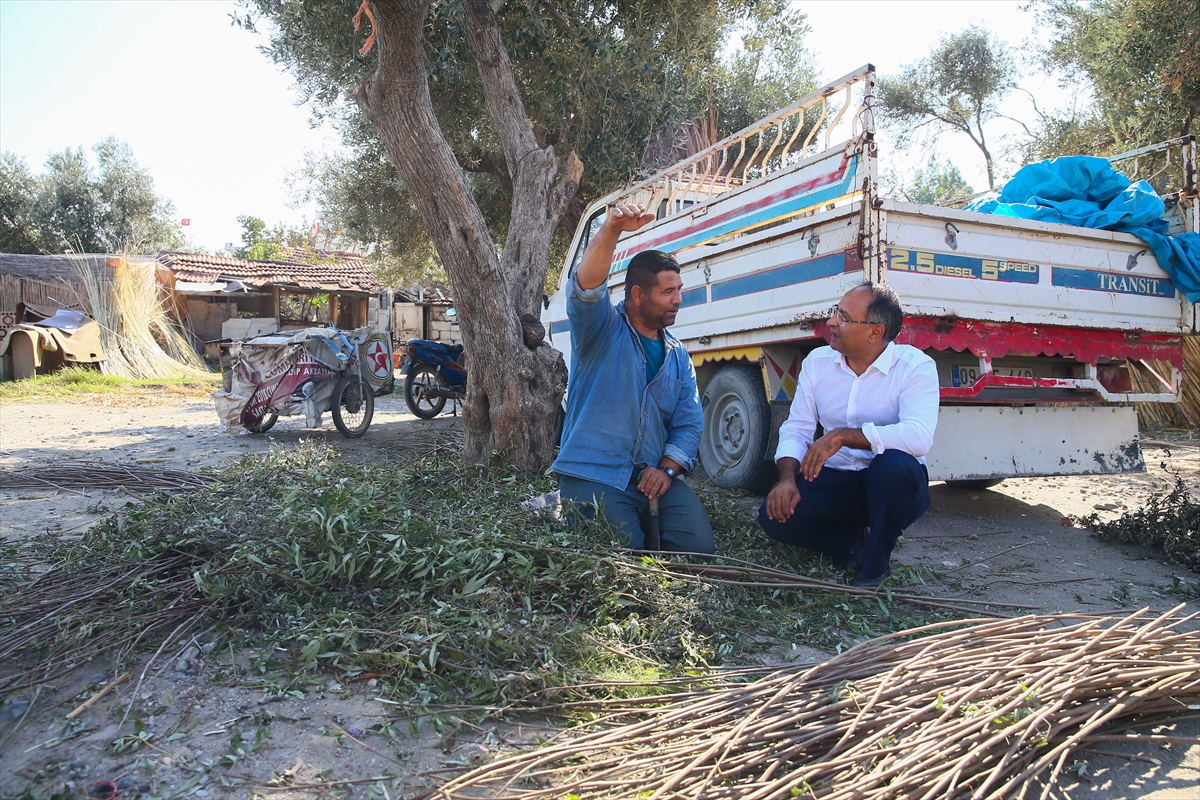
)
(969, 374)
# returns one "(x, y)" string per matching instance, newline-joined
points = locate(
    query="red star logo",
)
(378, 359)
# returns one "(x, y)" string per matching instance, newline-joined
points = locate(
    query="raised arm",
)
(597, 259)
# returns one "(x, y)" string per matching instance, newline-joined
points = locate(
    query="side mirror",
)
(545, 301)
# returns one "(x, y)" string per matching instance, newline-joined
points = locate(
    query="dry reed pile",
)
(992, 709)
(98, 475)
(1185, 413)
(138, 335)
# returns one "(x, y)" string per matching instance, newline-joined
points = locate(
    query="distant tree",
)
(257, 243)
(74, 207)
(1141, 61)
(936, 183)
(18, 223)
(957, 88)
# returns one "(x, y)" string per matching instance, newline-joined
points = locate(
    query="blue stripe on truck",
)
(779, 277)
(695, 297)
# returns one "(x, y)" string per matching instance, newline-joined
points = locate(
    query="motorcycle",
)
(434, 372)
(307, 373)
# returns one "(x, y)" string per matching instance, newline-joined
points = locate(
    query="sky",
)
(218, 126)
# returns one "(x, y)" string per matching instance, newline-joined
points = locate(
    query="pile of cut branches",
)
(988, 708)
(440, 584)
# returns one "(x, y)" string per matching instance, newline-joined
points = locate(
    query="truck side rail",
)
(802, 130)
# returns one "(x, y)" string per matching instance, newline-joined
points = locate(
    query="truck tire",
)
(977, 484)
(737, 430)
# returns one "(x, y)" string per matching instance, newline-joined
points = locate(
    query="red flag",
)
(185, 222)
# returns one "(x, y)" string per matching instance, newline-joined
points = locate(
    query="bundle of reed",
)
(139, 339)
(1185, 413)
(977, 708)
(99, 475)
(58, 621)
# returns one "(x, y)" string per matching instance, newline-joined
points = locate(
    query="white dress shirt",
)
(894, 402)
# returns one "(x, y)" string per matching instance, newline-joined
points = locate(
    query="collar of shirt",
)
(883, 363)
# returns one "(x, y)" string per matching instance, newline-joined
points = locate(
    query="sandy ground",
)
(1008, 544)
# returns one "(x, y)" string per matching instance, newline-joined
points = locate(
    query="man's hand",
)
(823, 449)
(782, 500)
(627, 218)
(654, 482)
(597, 258)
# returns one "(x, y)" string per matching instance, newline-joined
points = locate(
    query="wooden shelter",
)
(214, 289)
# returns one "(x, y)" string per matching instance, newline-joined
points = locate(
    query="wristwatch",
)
(671, 473)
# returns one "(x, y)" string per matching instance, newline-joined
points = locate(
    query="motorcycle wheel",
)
(420, 379)
(353, 406)
(263, 425)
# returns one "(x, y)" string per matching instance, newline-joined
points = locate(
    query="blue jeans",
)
(682, 521)
(888, 496)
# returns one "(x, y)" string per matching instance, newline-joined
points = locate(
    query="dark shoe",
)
(870, 583)
(852, 560)
(848, 562)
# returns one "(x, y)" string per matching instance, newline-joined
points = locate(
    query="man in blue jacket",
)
(633, 413)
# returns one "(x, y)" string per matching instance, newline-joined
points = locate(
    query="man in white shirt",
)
(877, 402)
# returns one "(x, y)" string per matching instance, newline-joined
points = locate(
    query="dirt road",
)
(1008, 544)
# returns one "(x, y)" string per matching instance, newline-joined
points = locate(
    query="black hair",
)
(884, 309)
(644, 268)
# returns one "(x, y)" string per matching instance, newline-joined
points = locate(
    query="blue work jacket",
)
(617, 423)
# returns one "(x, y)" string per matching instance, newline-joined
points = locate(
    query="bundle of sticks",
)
(981, 708)
(100, 475)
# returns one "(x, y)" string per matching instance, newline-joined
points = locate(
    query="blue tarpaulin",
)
(1089, 192)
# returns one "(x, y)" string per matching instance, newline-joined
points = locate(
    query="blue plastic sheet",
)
(1088, 192)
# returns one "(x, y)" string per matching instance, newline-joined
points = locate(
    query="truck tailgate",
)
(951, 263)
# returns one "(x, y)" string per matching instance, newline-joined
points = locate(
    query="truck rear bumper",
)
(974, 442)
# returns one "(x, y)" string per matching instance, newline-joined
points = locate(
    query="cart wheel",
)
(263, 425)
(419, 385)
(353, 406)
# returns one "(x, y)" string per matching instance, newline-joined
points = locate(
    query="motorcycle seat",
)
(437, 347)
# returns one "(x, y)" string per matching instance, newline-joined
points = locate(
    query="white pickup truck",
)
(1035, 327)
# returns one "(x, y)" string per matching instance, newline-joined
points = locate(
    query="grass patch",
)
(439, 584)
(73, 381)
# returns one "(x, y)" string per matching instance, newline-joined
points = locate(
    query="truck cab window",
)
(592, 227)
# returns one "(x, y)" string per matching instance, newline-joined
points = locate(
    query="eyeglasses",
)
(841, 315)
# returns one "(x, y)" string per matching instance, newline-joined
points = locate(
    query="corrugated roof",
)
(336, 272)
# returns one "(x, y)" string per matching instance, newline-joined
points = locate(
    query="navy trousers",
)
(888, 496)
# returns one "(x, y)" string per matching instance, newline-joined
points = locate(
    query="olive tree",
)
(958, 87)
(474, 99)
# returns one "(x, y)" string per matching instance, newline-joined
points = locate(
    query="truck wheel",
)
(737, 429)
(981, 483)
(353, 406)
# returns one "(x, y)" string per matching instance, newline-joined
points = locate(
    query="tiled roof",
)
(340, 271)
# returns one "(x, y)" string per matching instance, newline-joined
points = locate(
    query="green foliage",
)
(937, 183)
(1169, 522)
(280, 243)
(73, 207)
(446, 587)
(600, 79)
(1141, 60)
(957, 88)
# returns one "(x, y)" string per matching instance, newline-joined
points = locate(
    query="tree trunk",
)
(513, 392)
